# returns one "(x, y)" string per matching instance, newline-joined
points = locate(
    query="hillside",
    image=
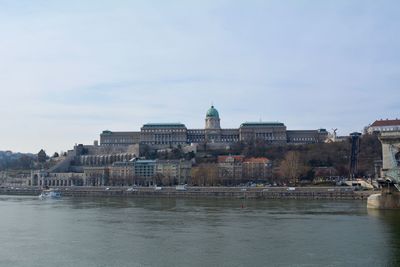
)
(16, 161)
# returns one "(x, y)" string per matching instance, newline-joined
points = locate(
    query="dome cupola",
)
(212, 119)
(212, 112)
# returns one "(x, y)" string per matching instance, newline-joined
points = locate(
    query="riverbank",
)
(330, 193)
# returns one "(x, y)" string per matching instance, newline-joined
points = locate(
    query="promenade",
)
(333, 193)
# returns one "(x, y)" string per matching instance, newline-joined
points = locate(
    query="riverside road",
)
(333, 193)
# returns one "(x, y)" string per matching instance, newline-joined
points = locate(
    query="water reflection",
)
(391, 220)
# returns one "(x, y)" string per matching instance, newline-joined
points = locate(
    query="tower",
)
(355, 150)
(213, 127)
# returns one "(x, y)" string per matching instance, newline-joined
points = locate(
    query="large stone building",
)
(387, 125)
(116, 161)
(44, 178)
(230, 169)
(162, 135)
(108, 138)
(177, 171)
(257, 169)
(306, 136)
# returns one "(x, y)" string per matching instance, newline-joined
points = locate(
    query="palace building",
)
(164, 135)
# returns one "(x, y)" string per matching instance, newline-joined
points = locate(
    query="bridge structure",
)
(389, 198)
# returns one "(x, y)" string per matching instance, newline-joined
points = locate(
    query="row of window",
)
(302, 139)
(196, 132)
(389, 128)
(165, 142)
(164, 130)
(117, 140)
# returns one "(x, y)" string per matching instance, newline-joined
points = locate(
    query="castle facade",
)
(163, 135)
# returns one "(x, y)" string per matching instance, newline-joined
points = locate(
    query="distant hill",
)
(16, 161)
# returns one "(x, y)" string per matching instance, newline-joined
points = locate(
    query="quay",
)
(327, 193)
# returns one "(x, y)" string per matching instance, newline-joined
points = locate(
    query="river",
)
(195, 232)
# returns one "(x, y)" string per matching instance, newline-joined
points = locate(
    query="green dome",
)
(212, 112)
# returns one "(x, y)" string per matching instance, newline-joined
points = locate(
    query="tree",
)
(41, 156)
(55, 155)
(197, 176)
(205, 174)
(25, 162)
(158, 178)
(167, 180)
(291, 167)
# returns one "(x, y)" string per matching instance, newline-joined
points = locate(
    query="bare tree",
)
(291, 167)
(205, 175)
(159, 178)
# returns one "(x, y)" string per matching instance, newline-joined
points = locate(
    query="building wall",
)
(163, 135)
(385, 128)
(178, 170)
(306, 136)
(230, 135)
(43, 178)
(106, 159)
(145, 168)
(108, 138)
(257, 169)
(96, 176)
(196, 136)
(122, 173)
(274, 133)
(230, 169)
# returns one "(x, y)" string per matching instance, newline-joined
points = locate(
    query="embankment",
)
(332, 193)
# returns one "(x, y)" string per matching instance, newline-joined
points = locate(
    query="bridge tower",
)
(389, 198)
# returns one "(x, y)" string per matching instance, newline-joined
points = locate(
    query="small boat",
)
(50, 194)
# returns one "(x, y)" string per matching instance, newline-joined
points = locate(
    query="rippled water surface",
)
(179, 232)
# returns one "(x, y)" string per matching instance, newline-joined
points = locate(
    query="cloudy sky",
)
(70, 69)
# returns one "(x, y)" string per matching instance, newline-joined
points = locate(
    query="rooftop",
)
(164, 125)
(118, 133)
(145, 161)
(239, 158)
(212, 112)
(257, 160)
(251, 124)
(386, 122)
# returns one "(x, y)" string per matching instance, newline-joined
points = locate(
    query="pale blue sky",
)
(69, 70)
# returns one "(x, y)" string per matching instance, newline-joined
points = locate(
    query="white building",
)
(384, 126)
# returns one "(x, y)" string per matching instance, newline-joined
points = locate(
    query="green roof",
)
(255, 124)
(212, 112)
(164, 125)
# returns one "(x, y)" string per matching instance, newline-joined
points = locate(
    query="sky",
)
(71, 69)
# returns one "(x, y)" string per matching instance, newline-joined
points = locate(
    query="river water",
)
(203, 232)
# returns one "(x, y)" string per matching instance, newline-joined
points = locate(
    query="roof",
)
(386, 122)
(107, 132)
(257, 124)
(262, 160)
(145, 161)
(236, 158)
(212, 112)
(164, 125)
